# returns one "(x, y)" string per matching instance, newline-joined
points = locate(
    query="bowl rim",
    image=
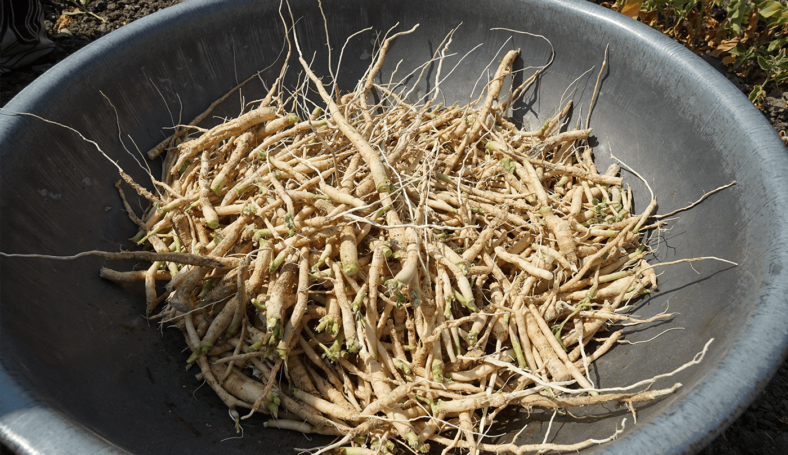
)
(716, 400)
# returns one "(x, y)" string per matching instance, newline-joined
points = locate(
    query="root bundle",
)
(393, 271)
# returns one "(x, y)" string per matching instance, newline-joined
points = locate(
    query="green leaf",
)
(756, 94)
(738, 12)
(776, 44)
(769, 8)
(763, 63)
(738, 50)
(734, 10)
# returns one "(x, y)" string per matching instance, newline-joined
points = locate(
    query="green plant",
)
(82, 8)
(751, 38)
(776, 69)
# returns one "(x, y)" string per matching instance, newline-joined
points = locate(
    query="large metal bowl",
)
(83, 372)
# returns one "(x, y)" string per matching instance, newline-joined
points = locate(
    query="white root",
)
(390, 244)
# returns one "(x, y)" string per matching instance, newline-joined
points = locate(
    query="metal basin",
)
(83, 372)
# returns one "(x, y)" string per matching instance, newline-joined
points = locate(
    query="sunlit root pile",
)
(392, 271)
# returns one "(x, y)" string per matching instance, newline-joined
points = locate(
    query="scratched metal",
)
(81, 371)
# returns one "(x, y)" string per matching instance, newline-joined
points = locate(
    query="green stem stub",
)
(277, 262)
(350, 269)
(150, 233)
(249, 209)
(206, 288)
(256, 346)
(637, 252)
(272, 404)
(198, 352)
(241, 189)
(259, 234)
(176, 245)
(356, 305)
(387, 447)
(413, 441)
(289, 222)
(217, 236)
(212, 223)
(518, 352)
(259, 305)
(273, 323)
(464, 266)
(335, 352)
(353, 346)
(386, 186)
(508, 164)
(443, 177)
(328, 323)
(380, 212)
(402, 366)
(360, 440)
(469, 304)
(231, 330)
(437, 371)
(184, 167)
(276, 335)
(544, 128)
(217, 186)
(472, 338)
(322, 276)
(394, 287)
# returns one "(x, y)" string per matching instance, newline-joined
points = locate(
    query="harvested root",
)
(393, 261)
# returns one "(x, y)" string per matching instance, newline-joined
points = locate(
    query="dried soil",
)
(761, 429)
(72, 33)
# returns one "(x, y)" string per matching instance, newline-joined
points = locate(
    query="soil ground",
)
(72, 33)
(761, 429)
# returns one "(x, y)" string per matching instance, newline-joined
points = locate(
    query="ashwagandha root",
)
(392, 262)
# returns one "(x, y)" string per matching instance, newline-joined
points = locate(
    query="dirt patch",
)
(745, 78)
(762, 428)
(72, 33)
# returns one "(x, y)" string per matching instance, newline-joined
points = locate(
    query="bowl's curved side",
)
(750, 152)
(660, 108)
(44, 406)
(37, 429)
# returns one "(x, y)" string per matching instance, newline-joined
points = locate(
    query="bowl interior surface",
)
(79, 345)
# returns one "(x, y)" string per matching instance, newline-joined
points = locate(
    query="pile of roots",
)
(393, 271)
